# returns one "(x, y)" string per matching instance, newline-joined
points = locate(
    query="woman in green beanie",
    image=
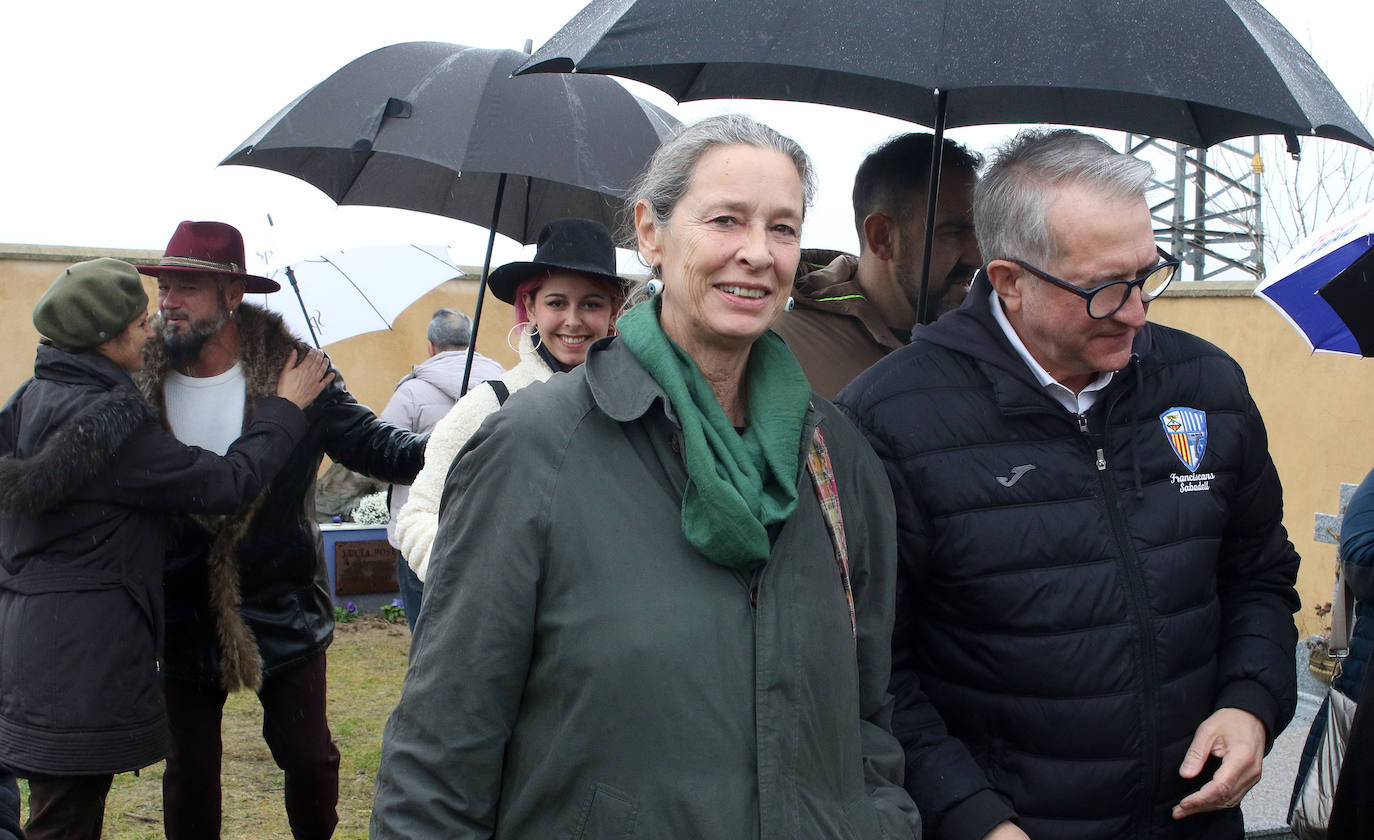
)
(88, 477)
(659, 601)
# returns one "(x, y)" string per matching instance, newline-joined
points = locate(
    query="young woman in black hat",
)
(565, 299)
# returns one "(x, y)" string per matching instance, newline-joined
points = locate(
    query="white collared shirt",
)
(1077, 403)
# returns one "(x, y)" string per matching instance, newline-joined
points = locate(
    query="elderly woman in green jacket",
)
(640, 620)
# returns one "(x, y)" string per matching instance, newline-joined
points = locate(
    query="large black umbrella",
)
(444, 129)
(1195, 71)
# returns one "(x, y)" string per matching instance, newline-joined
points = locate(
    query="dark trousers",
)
(67, 807)
(296, 731)
(411, 590)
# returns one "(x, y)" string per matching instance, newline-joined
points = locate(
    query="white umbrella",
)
(357, 290)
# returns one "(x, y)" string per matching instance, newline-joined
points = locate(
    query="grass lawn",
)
(366, 665)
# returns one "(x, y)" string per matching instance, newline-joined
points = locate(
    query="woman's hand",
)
(301, 383)
(1006, 831)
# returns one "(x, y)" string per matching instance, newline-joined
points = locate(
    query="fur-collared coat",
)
(263, 605)
(89, 480)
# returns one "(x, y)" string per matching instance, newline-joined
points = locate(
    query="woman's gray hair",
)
(668, 175)
(1009, 200)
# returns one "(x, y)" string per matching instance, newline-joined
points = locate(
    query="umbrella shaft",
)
(932, 196)
(295, 287)
(482, 286)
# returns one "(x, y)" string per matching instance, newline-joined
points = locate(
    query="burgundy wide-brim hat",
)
(209, 248)
(581, 246)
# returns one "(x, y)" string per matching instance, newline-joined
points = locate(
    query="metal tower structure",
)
(1206, 205)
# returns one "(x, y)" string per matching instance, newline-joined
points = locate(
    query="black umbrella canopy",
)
(1351, 294)
(1195, 71)
(433, 127)
(445, 129)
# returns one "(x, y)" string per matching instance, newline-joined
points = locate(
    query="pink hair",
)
(522, 315)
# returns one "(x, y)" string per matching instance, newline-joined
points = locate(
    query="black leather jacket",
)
(280, 558)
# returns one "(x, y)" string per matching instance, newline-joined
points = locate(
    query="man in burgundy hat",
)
(245, 608)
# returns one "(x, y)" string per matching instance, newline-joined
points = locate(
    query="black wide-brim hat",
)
(581, 246)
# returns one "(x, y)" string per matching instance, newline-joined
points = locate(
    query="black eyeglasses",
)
(1107, 299)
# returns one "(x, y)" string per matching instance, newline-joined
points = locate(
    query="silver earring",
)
(791, 304)
(654, 287)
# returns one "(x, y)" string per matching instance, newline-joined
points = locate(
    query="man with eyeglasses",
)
(1094, 634)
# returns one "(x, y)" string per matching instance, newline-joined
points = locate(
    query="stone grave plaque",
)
(362, 567)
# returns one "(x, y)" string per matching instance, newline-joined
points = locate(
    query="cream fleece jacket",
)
(419, 517)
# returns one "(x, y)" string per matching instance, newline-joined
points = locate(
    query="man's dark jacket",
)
(9, 807)
(1073, 600)
(89, 485)
(275, 548)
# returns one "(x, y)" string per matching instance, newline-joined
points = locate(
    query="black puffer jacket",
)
(88, 478)
(271, 554)
(1073, 600)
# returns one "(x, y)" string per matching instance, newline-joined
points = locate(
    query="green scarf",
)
(737, 484)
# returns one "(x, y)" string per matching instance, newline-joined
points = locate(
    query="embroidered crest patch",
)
(1186, 429)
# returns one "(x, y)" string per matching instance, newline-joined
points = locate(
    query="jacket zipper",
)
(1083, 427)
(1135, 587)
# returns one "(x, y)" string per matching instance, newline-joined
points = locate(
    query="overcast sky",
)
(116, 114)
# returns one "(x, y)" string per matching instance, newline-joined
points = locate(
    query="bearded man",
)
(245, 604)
(852, 311)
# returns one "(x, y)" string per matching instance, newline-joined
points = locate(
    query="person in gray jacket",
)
(420, 401)
(659, 602)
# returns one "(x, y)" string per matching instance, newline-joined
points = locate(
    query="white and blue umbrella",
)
(357, 290)
(1337, 253)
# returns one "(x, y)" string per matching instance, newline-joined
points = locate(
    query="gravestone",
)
(1328, 525)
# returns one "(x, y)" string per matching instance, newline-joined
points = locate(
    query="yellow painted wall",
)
(1316, 406)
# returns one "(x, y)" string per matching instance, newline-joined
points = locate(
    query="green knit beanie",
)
(90, 303)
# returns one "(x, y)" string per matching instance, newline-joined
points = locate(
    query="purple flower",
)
(348, 605)
(396, 602)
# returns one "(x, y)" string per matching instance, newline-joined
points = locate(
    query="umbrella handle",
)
(932, 195)
(482, 286)
(295, 287)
